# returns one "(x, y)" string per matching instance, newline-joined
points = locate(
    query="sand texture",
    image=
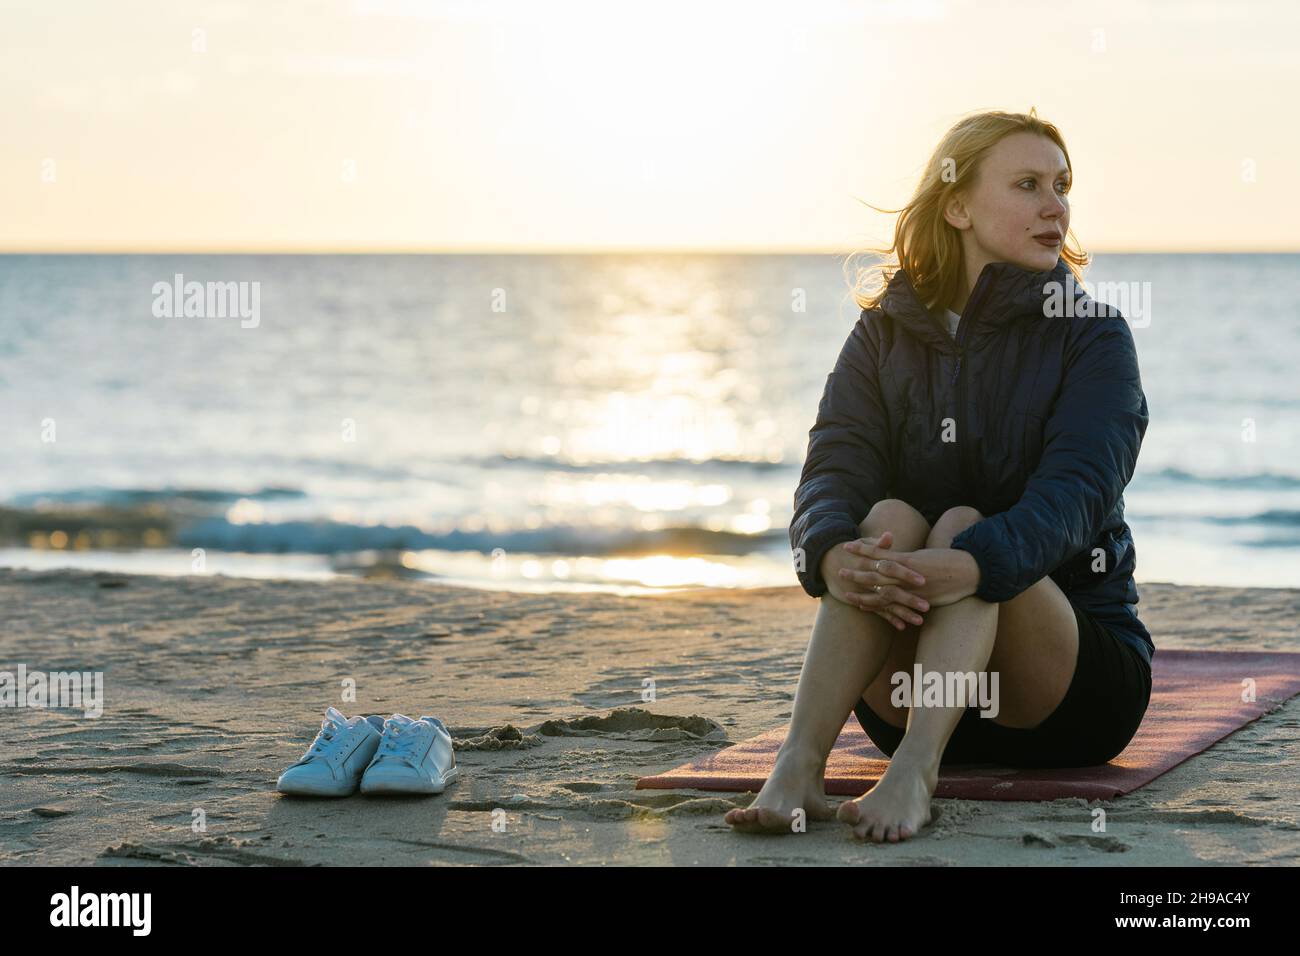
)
(213, 685)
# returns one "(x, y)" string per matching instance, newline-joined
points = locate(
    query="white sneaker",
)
(334, 763)
(415, 756)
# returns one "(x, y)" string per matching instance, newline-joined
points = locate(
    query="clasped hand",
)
(898, 585)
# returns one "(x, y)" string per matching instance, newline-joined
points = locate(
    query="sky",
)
(566, 125)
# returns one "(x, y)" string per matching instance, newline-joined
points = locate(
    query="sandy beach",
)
(213, 685)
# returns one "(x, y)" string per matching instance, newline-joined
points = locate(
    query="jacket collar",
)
(1002, 292)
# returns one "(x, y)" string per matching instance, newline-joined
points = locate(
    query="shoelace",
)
(329, 730)
(399, 741)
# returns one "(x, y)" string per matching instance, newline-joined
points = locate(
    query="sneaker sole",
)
(300, 791)
(409, 786)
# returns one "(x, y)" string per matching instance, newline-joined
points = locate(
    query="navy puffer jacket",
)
(1032, 416)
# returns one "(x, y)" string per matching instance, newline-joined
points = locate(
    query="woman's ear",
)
(956, 214)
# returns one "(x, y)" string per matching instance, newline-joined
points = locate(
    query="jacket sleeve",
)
(1090, 448)
(845, 471)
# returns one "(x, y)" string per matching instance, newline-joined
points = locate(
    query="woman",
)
(960, 507)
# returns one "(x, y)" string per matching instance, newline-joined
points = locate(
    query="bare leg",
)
(957, 637)
(846, 651)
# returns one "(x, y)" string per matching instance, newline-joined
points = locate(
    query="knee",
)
(950, 524)
(896, 515)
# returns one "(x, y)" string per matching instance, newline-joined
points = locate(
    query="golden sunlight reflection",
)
(640, 574)
(750, 524)
(640, 492)
(668, 571)
(656, 571)
(644, 426)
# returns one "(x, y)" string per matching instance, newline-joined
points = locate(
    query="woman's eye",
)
(1034, 184)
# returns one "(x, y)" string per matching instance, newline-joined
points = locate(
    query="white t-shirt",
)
(952, 318)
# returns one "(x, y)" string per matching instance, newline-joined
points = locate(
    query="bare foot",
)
(895, 808)
(795, 783)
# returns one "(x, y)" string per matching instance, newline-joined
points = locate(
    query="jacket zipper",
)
(963, 324)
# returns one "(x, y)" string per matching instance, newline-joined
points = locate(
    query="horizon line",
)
(553, 250)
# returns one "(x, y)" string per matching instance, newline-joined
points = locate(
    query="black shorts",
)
(1095, 721)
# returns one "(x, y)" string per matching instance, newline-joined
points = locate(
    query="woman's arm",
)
(846, 469)
(1091, 444)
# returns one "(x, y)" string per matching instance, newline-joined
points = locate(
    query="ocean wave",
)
(1257, 481)
(152, 525)
(1277, 517)
(133, 497)
(1274, 516)
(635, 466)
(333, 537)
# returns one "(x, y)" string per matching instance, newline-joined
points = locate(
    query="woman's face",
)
(1021, 192)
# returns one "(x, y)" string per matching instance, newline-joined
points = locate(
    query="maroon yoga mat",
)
(1196, 700)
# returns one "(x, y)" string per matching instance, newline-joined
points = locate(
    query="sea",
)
(630, 423)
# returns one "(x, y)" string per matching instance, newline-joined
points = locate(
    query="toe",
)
(771, 820)
(891, 833)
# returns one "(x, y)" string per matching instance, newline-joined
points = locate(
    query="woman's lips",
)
(1048, 241)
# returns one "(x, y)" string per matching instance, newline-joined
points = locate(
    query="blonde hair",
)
(925, 244)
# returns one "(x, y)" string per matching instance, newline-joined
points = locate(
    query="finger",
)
(893, 593)
(868, 579)
(906, 614)
(877, 592)
(897, 614)
(883, 612)
(884, 606)
(897, 595)
(890, 563)
(864, 544)
(875, 559)
(892, 620)
(896, 571)
(894, 588)
(862, 601)
(888, 617)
